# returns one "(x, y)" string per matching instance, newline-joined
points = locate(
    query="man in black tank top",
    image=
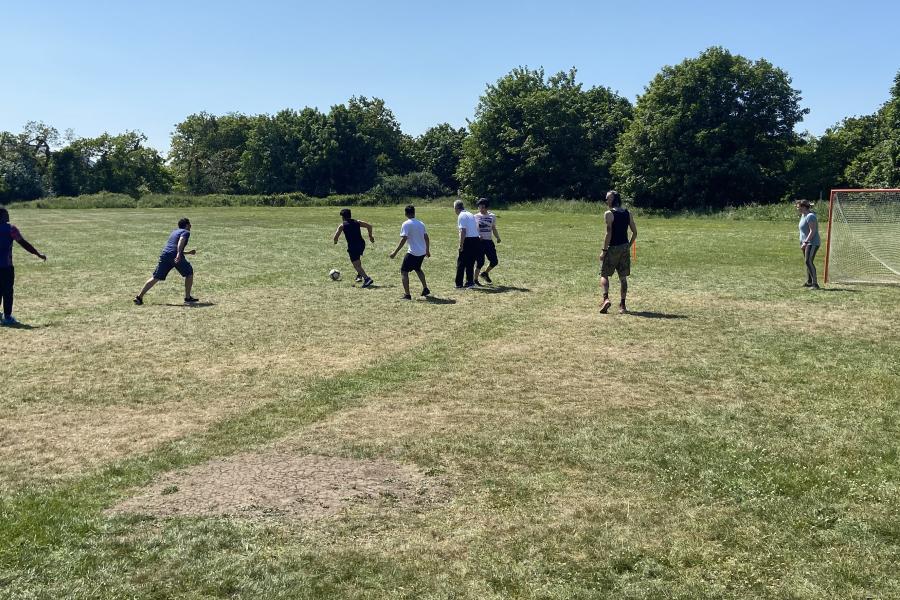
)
(356, 245)
(616, 254)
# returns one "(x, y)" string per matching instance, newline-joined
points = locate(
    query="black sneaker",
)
(604, 308)
(469, 285)
(406, 297)
(190, 300)
(459, 287)
(368, 282)
(138, 300)
(807, 284)
(426, 292)
(486, 277)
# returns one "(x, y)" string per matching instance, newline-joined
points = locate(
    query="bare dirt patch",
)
(281, 484)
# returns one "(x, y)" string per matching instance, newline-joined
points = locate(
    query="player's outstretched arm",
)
(400, 245)
(31, 249)
(337, 234)
(369, 228)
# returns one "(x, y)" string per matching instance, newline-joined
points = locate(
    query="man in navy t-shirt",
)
(172, 257)
(9, 234)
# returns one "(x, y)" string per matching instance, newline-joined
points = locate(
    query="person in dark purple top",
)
(9, 234)
(173, 257)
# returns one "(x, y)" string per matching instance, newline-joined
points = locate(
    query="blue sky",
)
(111, 66)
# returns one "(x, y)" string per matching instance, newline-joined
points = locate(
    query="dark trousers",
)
(465, 263)
(7, 279)
(809, 254)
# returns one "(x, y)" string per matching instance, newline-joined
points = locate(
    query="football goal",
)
(863, 237)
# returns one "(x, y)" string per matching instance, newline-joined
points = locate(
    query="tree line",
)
(715, 130)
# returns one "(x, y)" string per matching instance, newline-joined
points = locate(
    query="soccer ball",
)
(334, 274)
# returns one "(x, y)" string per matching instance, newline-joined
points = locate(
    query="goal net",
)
(863, 237)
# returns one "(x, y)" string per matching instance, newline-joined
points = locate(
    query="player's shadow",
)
(499, 289)
(24, 326)
(654, 315)
(834, 289)
(191, 304)
(434, 300)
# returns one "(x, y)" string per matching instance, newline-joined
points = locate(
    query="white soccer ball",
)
(334, 274)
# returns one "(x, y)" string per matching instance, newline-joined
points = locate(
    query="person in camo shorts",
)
(616, 254)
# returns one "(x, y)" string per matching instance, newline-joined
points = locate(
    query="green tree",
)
(538, 137)
(368, 144)
(25, 161)
(711, 131)
(288, 152)
(206, 152)
(878, 165)
(120, 164)
(439, 151)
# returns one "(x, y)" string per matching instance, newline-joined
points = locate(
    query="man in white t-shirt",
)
(413, 232)
(469, 245)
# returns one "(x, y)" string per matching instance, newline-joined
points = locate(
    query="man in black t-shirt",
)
(616, 254)
(356, 245)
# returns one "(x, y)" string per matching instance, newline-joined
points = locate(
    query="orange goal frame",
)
(831, 213)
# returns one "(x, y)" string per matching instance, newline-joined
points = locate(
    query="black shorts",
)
(411, 262)
(356, 251)
(489, 251)
(167, 263)
(7, 279)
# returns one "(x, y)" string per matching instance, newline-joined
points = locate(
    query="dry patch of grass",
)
(280, 484)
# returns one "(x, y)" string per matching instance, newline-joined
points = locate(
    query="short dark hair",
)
(182, 223)
(345, 214)
(482, 202)
(410, 210)
(4, 215)
(616, 198)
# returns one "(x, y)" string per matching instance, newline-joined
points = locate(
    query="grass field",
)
(737, 436)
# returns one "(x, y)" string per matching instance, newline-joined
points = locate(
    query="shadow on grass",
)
(433, 300)
(192, 304)
(500, 289)
(654, 315)
(834, 289)
(24, 326)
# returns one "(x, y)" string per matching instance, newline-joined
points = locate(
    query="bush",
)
(420, 184)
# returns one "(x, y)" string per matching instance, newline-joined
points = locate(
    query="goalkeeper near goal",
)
(809, 241)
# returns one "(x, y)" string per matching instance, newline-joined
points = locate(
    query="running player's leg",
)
(188, 284)
(425, 290)
(404, 277)
(604, 287)
(139, 299)
(623, 283)
(490, 251)
(357, 264)
(479, 261)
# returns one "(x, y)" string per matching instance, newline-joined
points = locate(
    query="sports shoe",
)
(807, 284)
(426, 292)
(368, 282)
(138, 300)
(604, 308)
(9, 321)
(358, 278)
(486, 277)
(459, 287)
(469, 285)
(622, 309)
(815, 287)
(406, 297)
(190, 300)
